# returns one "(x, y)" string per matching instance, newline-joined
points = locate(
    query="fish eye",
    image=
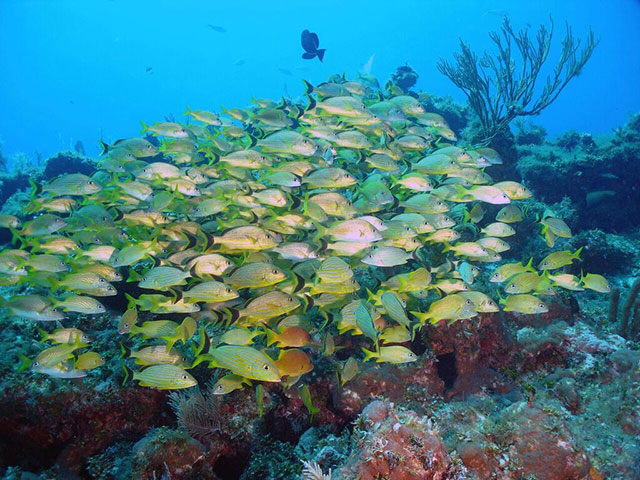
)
(184, 377)
(84, 337)
(266, 367)
(35, 364)
(144, 279)
(274, 271)
(513, 285)
(101, 280)
(126, 325)
(229, 262)
(541, 305)
(468, 302)
(229, 290)
(219, 387)
(110, 289)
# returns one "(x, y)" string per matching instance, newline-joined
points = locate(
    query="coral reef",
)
(20, 170)
(606, 169)
(500, 395)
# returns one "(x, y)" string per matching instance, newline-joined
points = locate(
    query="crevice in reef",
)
(447, 371)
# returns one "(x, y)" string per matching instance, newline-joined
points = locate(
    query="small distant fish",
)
(496, 12)
(310, 43)
(285, 71)
(239, 63)
(366, 68)
(79, 147)
(149, 70)
(217, 28)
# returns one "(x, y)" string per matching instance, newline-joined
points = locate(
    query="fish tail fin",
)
(327, 319)
(321, 231)
(145, 127)
(37, 189)
(466, 218)
(128, 374)
(320, 53)
(171, 340)
(230, 315)
(422, 316)
(529, 263)
(447, 247)
(368, 354)
(299, 283)
(17, 239)
(501, 301)
(308, 88)
(371, 297)
(25, 363)
(134, 276)
(187, 110)
(205, 343)
(203, 357)
(576, 254)
(312, 103)
(134, 330)
(124, 351)
(45, 335)
(104, 148)
(307, 302)
(272, 337)
(133, 303)
(462, 192)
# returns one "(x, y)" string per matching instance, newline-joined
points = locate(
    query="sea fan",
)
(312, 471)
(196, 413)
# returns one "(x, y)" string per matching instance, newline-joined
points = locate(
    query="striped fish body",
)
(157, 355)
(334, 270)
(165, 377)
(269, 305)
(210, 292)
(394, 308)
(256, 275)
(246, 362)
(161, 278)
(246, 238)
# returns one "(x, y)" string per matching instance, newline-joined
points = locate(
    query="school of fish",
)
(252, 230)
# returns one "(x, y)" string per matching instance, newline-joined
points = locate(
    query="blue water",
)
(77, 70)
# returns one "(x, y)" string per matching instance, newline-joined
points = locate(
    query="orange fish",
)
(289, 337)
(293, 362)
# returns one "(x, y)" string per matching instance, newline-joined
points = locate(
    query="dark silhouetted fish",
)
(149, 70)
(310, 44)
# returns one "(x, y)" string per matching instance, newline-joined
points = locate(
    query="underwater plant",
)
(501, 86)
